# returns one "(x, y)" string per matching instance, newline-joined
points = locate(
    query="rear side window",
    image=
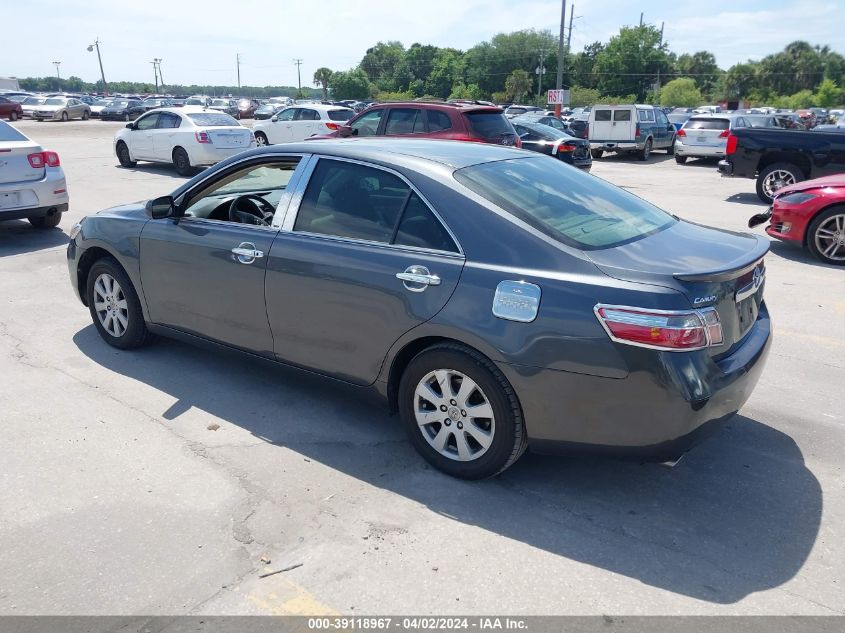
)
(340, 115)
(707, 124)
(602, 115)
(8, 133)
(489, 125)
(167, 120)
(420, 228)
(621, 115)
(573, 208)
(438, 121)
(307, 114)
(405, 121)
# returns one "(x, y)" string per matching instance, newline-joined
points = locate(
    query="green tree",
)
(579, 96)
(517, 85)
(489, 63)
(350, 84)
(582, 65)
(681, 92)
(322, 78)
(379, 63)
(631, 61)
(447, 70)
(462, 91)
(828, 94)
(740, 80)
(703, 69)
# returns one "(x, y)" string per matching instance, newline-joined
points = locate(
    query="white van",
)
(629, 128)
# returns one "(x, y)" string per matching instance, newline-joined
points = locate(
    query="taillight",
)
(637, 131)
(725, 134)
(681, 132)
(669, 330)
(332, 126)
(566, 148)
(517, 142)
(39, 160)
(202, 137)
(731, 146)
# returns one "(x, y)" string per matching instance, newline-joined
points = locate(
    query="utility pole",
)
(91, 47)
(569, 37)
(541, 70)
(56, 64)
(298, 63)
(160, 76)
(238, 62)
(641, 19)
(657, 83)
(155, 74)
(560, 54)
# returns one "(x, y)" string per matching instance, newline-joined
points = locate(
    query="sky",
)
(199, 41)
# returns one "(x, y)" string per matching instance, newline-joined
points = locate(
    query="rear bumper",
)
(701, 151)
(615, 146)
(726, 168)
(206, 154)
(37, 198)
(666, 404)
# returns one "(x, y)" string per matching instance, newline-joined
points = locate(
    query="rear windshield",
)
(117, 103)
(54, 102)
(220, 102)
(489, 124)
(195, 102)
(574, 208)
(213, 119)
(602, 115)
(34, 100)
(707, 124)
(341, 115)
(8, 133)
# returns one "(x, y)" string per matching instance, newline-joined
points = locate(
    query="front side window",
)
(405, 121)
(147, 122)
(367, 124)
(573, 208)
(287, 115)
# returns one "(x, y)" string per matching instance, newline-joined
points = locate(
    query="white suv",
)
(297, 123)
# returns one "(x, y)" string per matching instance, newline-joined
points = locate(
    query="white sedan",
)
(32, 182)
(297, 123)
(186, 137)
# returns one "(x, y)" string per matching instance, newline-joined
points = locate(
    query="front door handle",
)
(246, 253)
(418, 278)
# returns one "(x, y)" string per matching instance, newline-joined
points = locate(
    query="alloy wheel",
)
(110, 305)
(454, 415)
(830, 238)
(777, 180)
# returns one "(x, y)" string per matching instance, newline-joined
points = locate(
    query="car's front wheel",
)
(114, 305)
(13, 116)
(64, 116)
(460, 412)
(826, 236)
(123, 155)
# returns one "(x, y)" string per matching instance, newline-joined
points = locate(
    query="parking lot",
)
(154, 481)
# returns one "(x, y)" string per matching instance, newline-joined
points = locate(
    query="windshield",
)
(195, 102)
(34, 101)
(117, 103)
(102, 102)
(55, 101)
(574, 208)
(8, 133)
(219, 102)
(340, 115)
(213, 119)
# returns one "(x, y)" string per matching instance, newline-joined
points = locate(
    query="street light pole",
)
(91, 47)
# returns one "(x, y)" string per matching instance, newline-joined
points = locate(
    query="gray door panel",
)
(193, 282)
(336, 306)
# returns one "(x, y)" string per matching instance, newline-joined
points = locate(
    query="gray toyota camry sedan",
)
(496, 299)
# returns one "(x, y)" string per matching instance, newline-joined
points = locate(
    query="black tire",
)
(596, 153)
(123, 155)
(768, 173)
(126, 117)
(261, 139)
(817, 223)
(136, 333)
(645, 152)
(46, 221)
(182, 162)
(13, 116)
(64, 117)
(85, 115)
(509, 437)
(680, 159)
(671, 149)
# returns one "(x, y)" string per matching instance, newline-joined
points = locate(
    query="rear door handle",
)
(418, 278)
(246, 253)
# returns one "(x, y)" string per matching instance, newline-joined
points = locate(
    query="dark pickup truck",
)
(777, 158)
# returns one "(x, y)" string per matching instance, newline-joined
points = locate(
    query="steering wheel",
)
(260, 213)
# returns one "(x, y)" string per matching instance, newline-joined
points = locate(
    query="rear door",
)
(405, 122)
(623, 127)
(707, 132)
(341, 283)
(304, 124)
(164, 135)
(601, 124)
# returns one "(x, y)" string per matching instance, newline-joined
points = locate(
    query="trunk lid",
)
(706, 132)
(229, 137)
(14, 162)
(711, 267)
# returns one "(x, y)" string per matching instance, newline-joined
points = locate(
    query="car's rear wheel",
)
(126, 117)
(680, 159)
(596, 153)
(64, 116)
(261, 139)
(671, 149)
(46, 221)
(13, 116)
(776, 177)
(460, 412)
(123, 155)
(826, 236)
(182, 162)
(645, 152)
(85, 115)
(114, 305)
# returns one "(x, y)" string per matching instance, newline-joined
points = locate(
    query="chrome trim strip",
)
(192, 220)
(286, 223)
(293, 208)
(398, 247)
(699, 313)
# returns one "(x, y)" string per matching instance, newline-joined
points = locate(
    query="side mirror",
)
(759, 218)
(159, 208)
(274, 118)
(130, 126)
(344, 130)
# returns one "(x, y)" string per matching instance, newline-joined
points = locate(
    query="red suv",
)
(449, 121)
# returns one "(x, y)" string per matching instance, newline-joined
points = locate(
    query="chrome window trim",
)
(383, 245)
(296, 201)
(192, 220)
(699, 312)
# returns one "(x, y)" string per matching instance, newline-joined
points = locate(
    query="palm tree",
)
(322, 77)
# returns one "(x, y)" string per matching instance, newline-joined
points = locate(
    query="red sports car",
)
(812, 213)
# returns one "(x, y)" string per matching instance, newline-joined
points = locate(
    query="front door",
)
(360, 262)
(141, 136)
(203, 272)
(281, 130)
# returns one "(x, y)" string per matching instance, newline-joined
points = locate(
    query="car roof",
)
(319, 106)
(439, 105)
